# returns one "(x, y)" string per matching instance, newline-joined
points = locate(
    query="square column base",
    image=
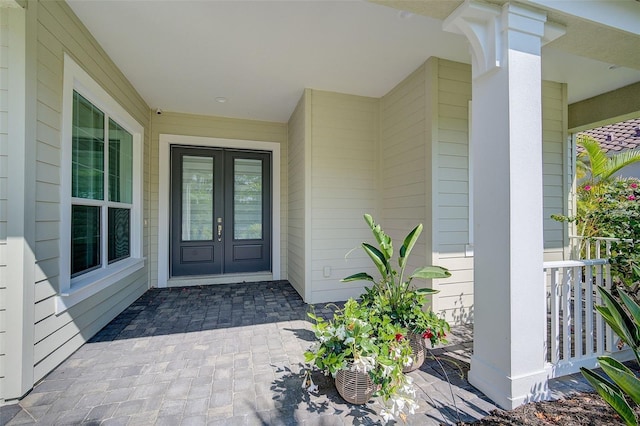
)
(508, 392)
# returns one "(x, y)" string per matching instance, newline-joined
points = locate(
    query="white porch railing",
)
(576, 333)
(590, 248)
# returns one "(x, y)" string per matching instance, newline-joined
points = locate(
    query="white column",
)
(508, 362)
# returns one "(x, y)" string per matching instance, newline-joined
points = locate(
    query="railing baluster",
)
(577, 311)
(566, 314)
(609, 332)
(588, 310)
(600, 337)
(555, 315)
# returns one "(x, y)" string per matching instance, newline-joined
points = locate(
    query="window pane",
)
(247, 199)
(87, 163)
(120, 163)
(197, 198)
(85, 238)
(119, 225)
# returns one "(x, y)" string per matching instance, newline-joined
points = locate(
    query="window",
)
(101, 229)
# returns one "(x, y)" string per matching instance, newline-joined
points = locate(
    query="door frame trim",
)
(165, 142)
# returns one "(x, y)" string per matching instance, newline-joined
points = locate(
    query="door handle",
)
(219, 229)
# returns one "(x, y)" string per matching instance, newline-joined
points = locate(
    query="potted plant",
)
(366, 355)
(394, 295)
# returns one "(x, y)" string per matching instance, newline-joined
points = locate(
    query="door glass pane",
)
(247, 199)
(87, 163)
(120, 164)
(119, 242)
(197, 198)
(85, 238)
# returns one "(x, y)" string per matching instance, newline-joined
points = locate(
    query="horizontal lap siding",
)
(174, 123)
(4, 100)
(404, 163)
(297, 194)
(344, 135)
(57, 336)
(554, 154)
(451, 150)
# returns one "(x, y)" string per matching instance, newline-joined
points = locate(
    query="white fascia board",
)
(620, 14)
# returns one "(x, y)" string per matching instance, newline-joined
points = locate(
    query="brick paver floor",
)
(225, 355)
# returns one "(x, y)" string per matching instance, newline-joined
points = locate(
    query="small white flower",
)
(364, 364)
(349, 340)
(386, 415)
(386, 370)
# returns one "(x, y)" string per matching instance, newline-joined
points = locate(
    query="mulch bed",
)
(582, 409)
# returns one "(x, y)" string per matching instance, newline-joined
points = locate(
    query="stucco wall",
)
(605, 108)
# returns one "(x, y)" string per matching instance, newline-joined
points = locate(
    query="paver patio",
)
(228, 355)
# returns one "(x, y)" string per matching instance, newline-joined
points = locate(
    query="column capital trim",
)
(487, 27)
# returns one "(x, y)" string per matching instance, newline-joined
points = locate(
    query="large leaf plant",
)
(393, 294)
(624, 320)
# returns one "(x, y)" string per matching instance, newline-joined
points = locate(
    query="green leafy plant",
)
(609, 206)
(624, 320)
(394, 295)
(358, 340)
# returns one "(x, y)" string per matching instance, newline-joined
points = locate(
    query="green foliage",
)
(357, 338)
(597, 166)
(609, 207)
(611, 392)
(393, 295)
(624, 320)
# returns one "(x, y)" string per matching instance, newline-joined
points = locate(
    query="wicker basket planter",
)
(416, 341)
(354, 386)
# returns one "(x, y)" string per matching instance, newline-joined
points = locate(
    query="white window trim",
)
(165, 142)
(74, 290)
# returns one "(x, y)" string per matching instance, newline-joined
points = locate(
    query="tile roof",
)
(616, 137)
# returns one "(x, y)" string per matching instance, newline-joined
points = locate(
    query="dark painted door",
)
(220, 211)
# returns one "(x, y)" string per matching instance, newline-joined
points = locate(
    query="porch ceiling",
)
(182, 54)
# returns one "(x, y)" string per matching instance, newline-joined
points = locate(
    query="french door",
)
(220, 211)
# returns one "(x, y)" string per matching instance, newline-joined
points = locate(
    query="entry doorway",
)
(220, 211)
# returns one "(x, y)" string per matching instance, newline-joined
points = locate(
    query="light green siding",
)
(555, 167)
(404, 178)
(297, 225)
(172, 123)
(424, 141)
(344, 137)
(56, 30)
(450, 139)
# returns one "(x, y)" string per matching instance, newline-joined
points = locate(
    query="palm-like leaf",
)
(618, 319)
(620, 161)
(612, 394)
(596, 158)
(596, 162)
(622, 377)
(408, 244)
(634, 310)
(378, 259)
(431, 272)
(358, 277)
